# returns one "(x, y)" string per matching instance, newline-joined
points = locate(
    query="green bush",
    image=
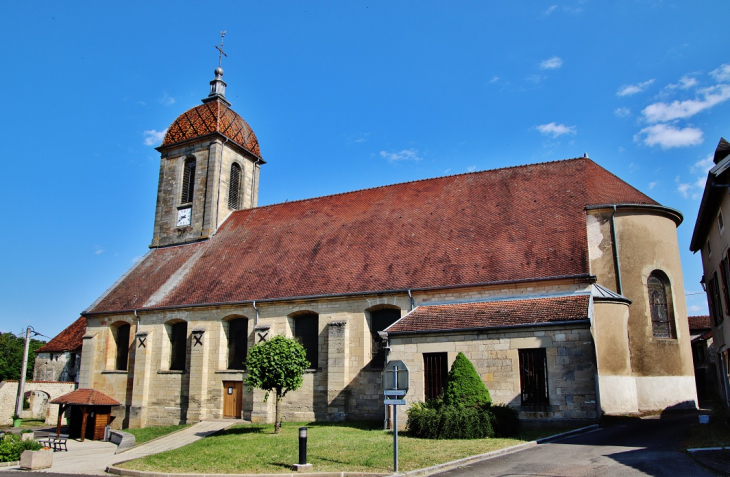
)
(464, 387)
(11, 447)
(449, 422)
(506, 421)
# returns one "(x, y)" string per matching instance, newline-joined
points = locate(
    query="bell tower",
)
(209, 168)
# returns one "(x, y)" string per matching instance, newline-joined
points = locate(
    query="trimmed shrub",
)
(464, 387)
(506, 421)
(449, 422)
(11, 447)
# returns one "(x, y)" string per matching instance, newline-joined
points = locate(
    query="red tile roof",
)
(69, 339)
(517, 223)
(212, 117)
(699, 322)
(493, 314)
(87, 397)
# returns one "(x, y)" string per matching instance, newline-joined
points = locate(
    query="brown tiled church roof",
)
(208, 118)
(699, 322)
(69, 339)
(86, 397)
(517, 223)
(493, 314)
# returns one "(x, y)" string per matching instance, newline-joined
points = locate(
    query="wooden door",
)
(232, 399)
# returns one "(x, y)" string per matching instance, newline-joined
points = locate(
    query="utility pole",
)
(21, 383)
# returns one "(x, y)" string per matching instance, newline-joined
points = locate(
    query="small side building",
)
(60, 359)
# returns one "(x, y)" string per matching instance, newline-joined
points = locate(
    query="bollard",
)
(302, 446)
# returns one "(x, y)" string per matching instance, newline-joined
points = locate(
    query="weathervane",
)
(221, 53)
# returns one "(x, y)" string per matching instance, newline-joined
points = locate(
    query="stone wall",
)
(9, 392)
(57, 367)
(570, 360)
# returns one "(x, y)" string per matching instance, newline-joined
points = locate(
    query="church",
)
(559, 281)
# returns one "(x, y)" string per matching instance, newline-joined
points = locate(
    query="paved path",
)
(630, 447)
(93, 457)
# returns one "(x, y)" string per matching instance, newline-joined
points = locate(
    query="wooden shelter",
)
(90, 412)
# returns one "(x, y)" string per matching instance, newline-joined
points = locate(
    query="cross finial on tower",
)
(221, 53)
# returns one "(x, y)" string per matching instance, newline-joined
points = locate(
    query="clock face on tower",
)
(183, 217)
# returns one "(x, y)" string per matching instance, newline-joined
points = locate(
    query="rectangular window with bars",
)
(533, 377)
(435, 370)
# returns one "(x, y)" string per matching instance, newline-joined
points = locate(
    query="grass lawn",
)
(350, 446)
(148, 433)
(28, 424)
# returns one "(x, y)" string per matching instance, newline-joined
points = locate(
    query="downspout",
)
(256, 320)
(616, 260)
(253, 180)
(411, 297)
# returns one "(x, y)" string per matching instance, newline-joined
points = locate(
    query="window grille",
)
(188, 181)
(380, 320)
(237, 343)
(122, 342)
(435, 371)
(662, 319)
(234, 186)
(533, 377)
(306, 331)
(178, 345)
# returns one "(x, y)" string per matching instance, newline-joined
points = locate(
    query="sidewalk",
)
(93, 457)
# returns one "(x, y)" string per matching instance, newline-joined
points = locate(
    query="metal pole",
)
(302, 446)
(21, 382)
(395, 423)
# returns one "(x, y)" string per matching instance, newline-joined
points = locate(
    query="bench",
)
(55, 443)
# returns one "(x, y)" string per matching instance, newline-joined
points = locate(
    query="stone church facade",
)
(559, 281)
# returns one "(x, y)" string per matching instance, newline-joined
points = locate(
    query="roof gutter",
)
(482, 328)
(582, 277)
(668, 212)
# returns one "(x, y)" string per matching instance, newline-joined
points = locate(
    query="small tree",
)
(464, 386)
(276, 365)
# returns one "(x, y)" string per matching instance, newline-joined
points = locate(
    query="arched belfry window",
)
(234, 186)
(660, 302)
(188, 181)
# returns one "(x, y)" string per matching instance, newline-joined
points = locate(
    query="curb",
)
(9, 464)
(413, 473)
(491, 455)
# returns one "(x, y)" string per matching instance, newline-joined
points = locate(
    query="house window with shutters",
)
(234, 186)
(188, 181)
(725, 276)
(435, 371)
(533, 377)
(662, 313)
(715, 302)
(306, 331)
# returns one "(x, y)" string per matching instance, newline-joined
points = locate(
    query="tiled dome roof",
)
(211, 117)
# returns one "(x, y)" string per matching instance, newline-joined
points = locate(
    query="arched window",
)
(234, 186)
(188, 181)
(662, 314)
(306, 331)
(178, 345)
(380, 319)
(237, 343)
(121, 338)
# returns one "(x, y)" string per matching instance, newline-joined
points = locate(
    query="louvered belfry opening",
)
(533, 377)
(188, 181)
(435, 371)
(234, 187)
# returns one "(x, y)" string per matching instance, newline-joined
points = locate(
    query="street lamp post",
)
(24, 369)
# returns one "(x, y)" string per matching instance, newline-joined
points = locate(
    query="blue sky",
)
(342, 96)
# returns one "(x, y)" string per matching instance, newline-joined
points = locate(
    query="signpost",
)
(395, 385)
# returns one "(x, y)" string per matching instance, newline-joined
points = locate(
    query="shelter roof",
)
(492, 314)
(86, 397)
(701, 322)
(70, 339)
(504, 225)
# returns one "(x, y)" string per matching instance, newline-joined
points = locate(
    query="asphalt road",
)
(628, 447)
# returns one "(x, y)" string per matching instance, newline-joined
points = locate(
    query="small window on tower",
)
(233, 189)
(188, 181)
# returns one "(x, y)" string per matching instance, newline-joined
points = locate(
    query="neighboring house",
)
(60, 358)
(712, 239)
(559, 281)
(703, 356)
